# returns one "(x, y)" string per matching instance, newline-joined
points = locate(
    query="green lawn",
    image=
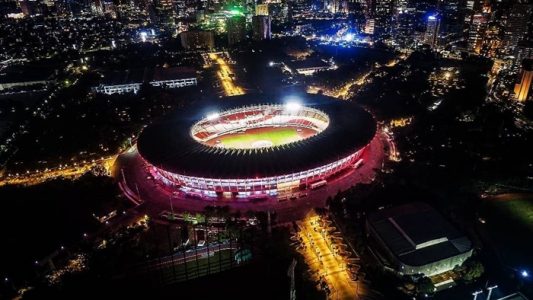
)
(518, 210)
(510, 225)
(277, 136)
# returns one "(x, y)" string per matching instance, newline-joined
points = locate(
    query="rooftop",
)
(147, 75)
(308, 63)
(417, 234)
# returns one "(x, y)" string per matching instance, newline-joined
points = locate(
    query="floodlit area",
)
(226, 76)
(325, 256)
(262, 137)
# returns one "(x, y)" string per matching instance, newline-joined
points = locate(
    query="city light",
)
(236, 12)
(349, 37)
(143, 36)
(524, 273)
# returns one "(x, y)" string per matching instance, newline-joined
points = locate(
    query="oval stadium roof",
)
(168, 144)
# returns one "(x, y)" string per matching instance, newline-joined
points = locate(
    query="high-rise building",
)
(97, 7)
(383, 12)
(109, 8)
(262, 10)
(366, 6)
(432, 31)
(336, 6)
(197, 39)
(370, 26)
(452, 16)
(261, 27)
(165, 11)
(523, 88)
(401, 6)
(524, 50)
(279, 12)
(28, 7)
(236, 29)
(476, 32)
(405, 27)
(516, 25)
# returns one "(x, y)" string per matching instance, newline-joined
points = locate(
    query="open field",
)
(509, 222)
(262, 137)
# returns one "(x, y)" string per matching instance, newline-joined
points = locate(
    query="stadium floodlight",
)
(213, 116)
(293, 105)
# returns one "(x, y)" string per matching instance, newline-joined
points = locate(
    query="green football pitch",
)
(273, 136)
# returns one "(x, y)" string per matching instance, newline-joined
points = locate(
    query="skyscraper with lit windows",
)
(261, 27)
(432, 31)
(516, 25)
(383, 12)
(236, 29)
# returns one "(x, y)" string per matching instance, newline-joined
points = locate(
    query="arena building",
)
(256, 146)
(415, 239)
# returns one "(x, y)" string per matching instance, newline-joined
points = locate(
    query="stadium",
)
(256, 146)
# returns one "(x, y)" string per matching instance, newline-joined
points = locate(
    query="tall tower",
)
(336, 6)
(165, 11)
(516, 25)
(432, 31)
(236, 28)
(262, 10)
(261, 27)
(476, 32)
(383, 12)
(522, 89)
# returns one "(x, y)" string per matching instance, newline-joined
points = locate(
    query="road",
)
(72, 172)
(226, 76)
(324, 262)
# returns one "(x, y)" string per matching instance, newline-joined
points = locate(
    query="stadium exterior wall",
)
(249, 188)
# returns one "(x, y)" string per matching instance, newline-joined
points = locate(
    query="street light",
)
(490, 288)
(524, 273)
(477, 293)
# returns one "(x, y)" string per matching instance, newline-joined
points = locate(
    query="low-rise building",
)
(415, 239)
(310, 66)
(130, 81)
